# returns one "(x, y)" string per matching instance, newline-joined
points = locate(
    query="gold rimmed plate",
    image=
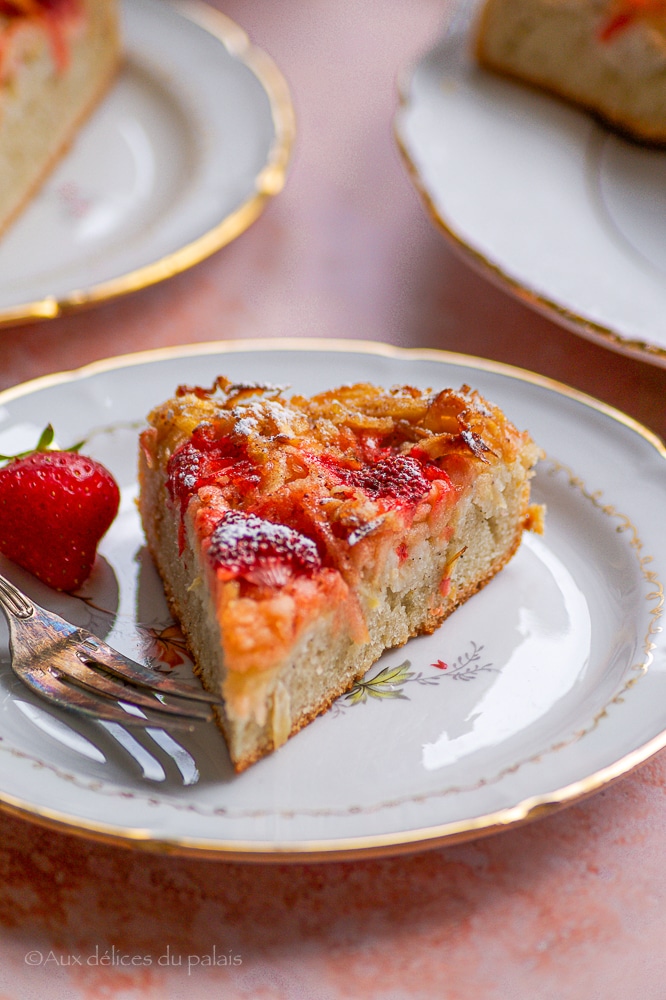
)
(544, 687)
(538, 196)
(180, 158)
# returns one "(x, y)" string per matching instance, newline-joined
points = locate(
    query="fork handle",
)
(13, 601)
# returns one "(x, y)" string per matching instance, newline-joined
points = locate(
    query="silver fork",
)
(73, 669)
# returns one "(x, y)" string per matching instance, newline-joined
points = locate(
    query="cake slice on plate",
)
(299, 538)
(608, 56)
(57, 59)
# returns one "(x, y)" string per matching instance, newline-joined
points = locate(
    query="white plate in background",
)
(179, 159)
(539, 197)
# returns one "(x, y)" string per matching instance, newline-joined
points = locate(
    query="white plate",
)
(541, 198)
(177, 161)
(555, 676)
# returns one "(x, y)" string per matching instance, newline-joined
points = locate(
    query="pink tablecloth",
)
(572, 906)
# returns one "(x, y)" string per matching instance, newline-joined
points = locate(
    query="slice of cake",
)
(609, 56)
(57, 59)
(299, 538)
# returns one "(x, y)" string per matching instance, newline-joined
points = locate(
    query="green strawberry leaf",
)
(46, 439)
(45, 443)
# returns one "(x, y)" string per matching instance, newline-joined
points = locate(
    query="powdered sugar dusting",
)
(267, 417)
(260, 551)
(246, 425)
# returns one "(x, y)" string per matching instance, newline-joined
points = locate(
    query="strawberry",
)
(54, 508)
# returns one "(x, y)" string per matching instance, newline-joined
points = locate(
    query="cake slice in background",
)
(608, 56)
(57, 60)
(299, 538)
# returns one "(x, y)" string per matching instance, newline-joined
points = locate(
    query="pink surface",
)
(572, 906)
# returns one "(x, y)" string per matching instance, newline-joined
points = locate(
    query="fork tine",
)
(84, 675)
(73, 668)
(128, 670)
(66, 695)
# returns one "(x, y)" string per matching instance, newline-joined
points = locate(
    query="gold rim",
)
(268, 183)
(488, 268)
(362, 846)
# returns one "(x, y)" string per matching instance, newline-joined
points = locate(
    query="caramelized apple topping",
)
(331, 468)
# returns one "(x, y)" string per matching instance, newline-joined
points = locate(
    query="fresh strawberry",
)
(54, 508)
